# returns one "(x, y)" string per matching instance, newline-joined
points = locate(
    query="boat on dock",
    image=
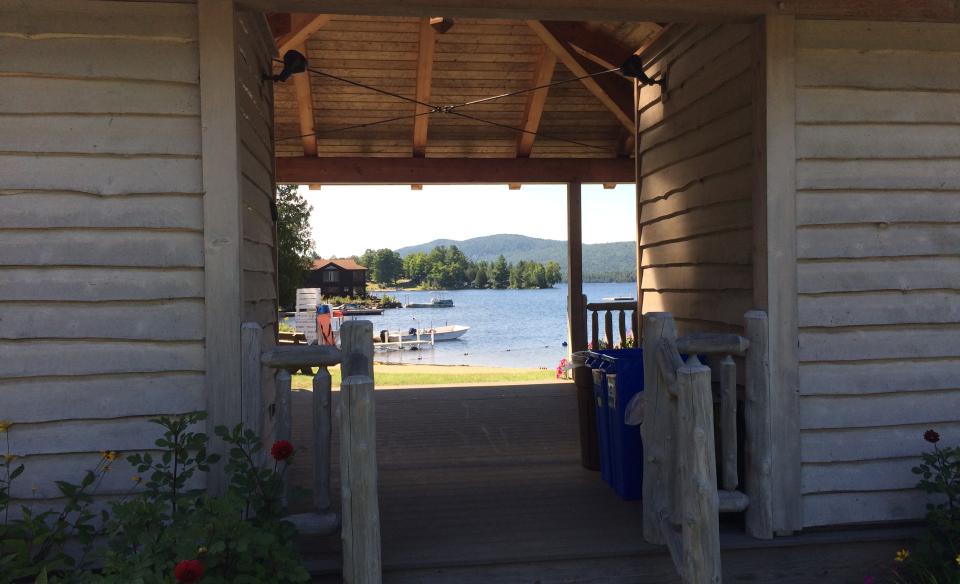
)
(357, 310)
(435, 302)
(419, 338)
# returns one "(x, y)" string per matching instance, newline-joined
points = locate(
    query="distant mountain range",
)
(602, 262)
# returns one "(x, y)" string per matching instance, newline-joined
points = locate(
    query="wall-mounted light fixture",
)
(293, 62)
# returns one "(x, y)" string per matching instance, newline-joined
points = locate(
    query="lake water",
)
(508, 328)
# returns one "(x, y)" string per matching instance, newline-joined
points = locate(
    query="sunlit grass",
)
(398, 375)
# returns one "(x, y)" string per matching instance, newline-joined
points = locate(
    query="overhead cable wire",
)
(449, 109)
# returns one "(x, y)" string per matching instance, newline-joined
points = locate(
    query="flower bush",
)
(162, 530)
(935, 558)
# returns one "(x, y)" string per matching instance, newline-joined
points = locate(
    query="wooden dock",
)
(484, 484)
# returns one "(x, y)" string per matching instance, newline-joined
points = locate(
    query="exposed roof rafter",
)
(612, 90)
(302, 25)
(536, 100)
(428, 41)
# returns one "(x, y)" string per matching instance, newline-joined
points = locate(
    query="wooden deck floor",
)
(483, 484)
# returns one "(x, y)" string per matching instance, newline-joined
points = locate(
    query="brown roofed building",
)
(337, 278)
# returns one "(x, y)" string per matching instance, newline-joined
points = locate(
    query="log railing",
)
(682, 497)
(359, 518)
(625, 311)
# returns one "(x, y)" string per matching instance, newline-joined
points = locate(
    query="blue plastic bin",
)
(622, 372)
(596, 365)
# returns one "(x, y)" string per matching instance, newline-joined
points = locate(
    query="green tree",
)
(500, 273)
(416, 267)
(481, 279)
(553, 273)
(385, 265)
(294, 246)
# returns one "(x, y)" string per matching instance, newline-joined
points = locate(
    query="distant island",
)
(602, 262)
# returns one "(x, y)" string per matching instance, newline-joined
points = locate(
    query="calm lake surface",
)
(508, 328)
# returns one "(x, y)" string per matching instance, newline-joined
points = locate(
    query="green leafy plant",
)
(935, 558)
(162, 530)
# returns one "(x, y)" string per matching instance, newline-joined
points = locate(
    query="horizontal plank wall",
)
(878, 233)
(255, 51)
(101, 231)
(697, 157)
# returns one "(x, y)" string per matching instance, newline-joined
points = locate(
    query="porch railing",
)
(682, 497)
(625, 311)
(359, 517)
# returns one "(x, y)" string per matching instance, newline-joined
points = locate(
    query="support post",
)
(360, 531)
(284, 416)
(608, 328)
(251, 407)
(576, 306)
(698, 476)
(657, 429)
(758, 430)
(222, 225)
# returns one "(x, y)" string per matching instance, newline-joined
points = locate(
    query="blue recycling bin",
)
(621, 371)
(597, 365)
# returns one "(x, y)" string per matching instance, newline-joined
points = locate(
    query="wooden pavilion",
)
(799, 164)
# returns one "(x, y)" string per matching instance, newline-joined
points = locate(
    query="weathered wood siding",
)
(697, 171)
(255, 51)
(878, 213)
(101, 231)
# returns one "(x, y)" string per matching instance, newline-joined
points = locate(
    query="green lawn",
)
(437, 375)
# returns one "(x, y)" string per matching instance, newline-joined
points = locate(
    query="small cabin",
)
(336, 277)
(797, 176)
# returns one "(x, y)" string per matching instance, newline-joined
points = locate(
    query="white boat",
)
(435, 334)
(435, 302)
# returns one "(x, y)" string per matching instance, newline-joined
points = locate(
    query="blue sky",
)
(349, 219)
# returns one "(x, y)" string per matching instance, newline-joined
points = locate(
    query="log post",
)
(657, 429)
(700, 502)
(284, 417)
(360, 531)
(322, 434)
(251, 408)
(728, 422)
(758, 429)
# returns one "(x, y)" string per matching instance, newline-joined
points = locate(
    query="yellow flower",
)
(5, 425)
(201, 552)
(8, 458)
(136, 478)
(902, 556)
(957, 559)
(109, 455)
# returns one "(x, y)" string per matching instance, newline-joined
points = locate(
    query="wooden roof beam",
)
(302, 25)
(428, 42)
(301, 84)
(612, 90)
(420, 171)
(692, 11)
(536, 100)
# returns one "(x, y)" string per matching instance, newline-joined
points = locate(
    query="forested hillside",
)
(602, 262)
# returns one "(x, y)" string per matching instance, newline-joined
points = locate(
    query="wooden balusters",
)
(728, 423)
(607, 338)
(322, 435)
(608, 328)
(595, 330)
(758, 426)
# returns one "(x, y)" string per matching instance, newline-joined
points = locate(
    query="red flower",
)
(281, 450)
(931, 436)
(188, 571)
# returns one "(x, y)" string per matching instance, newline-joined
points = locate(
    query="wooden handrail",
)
(682, 498)
(608, 308)
(360, 532)
(613, 305)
